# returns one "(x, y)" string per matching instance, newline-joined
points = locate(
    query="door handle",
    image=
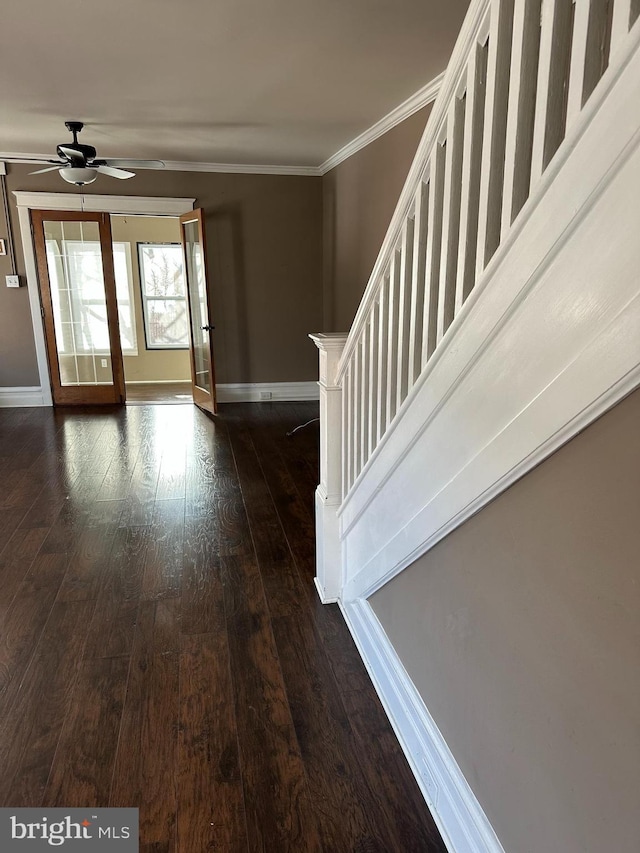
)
(207, 328)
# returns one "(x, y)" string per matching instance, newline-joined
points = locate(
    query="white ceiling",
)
(282, 82)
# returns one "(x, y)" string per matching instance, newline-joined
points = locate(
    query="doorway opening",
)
(152, 308)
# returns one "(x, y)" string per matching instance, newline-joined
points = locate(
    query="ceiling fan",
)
(79, 165)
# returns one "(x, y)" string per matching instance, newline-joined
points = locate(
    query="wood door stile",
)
(86, 394)
(201, 397)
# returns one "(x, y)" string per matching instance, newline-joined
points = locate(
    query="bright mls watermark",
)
(104, 830)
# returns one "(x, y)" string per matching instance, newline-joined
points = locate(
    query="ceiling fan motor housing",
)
(87, 152)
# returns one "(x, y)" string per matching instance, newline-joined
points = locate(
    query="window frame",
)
(141, 245)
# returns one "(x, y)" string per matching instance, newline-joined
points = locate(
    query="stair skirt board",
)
(455, 809)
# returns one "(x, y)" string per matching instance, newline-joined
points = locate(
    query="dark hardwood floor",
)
(140, 394)
(162, 644)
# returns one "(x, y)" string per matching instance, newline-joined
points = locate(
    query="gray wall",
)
(287, 255)
(360, 196)
(264, 236)
(521, 630)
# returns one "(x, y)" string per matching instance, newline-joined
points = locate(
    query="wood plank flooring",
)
(143, 393)
(162, 645)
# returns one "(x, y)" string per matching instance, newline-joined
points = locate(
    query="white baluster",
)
(392, 336)
(578, 59)
(374, 387)
(383, 331)
(346, 432)
(525, 48)
(352, 423)
(620, 24)
(418, 283)
(404, 308)
(492, 170)
(365, 395)
(434, 241)
(471, 161)
(542, 91)
(357, 393)
(450, 216)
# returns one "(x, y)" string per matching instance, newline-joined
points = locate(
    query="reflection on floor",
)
(163, 646)
(154, 392)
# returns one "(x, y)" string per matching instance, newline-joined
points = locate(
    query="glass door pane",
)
(77, 284)
(74, 260)
(202, 371)
(198, 305)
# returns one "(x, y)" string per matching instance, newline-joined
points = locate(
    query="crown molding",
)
(407, 108)
(241, 168)
(184, 166)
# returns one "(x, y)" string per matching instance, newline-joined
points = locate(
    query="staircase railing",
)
(519, 77)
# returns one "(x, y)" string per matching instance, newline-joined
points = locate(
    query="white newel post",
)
(329, 492)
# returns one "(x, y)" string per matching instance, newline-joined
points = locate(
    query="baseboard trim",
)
(455, 809)
(157, 382)
(25, 396)
(254, 392)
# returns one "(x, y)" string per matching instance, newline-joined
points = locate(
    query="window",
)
(85, 312)
(163, 295)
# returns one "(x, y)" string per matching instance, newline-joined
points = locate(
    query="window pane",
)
(74, 264)
(163, 294)
(166, 323)
(75, 271)
(161, 270)
(122, 267)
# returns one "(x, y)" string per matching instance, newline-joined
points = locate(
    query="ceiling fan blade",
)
(114, 173)
(48, 169)
(129, 164)
(75, 158)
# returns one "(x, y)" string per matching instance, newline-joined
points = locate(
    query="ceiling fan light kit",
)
(80, 177)
(78, 163)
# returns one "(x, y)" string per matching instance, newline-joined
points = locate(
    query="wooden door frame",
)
(112, 204)
(74, 394)
(200, 396)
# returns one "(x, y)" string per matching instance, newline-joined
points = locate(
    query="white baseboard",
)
(238, 392)
(455, 809)
(22, 397)
(253, 392)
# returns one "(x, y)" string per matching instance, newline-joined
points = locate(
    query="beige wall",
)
(521, 630)
(264, 236)
(359, 197)
(149, 365)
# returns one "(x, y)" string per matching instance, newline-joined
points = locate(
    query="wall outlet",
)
(13, 280)
(103, 362)
(266, 395)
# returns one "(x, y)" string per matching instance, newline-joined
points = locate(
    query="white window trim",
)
(27, 201)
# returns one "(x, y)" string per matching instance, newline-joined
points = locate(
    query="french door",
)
(198, 297)
(77, 282)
